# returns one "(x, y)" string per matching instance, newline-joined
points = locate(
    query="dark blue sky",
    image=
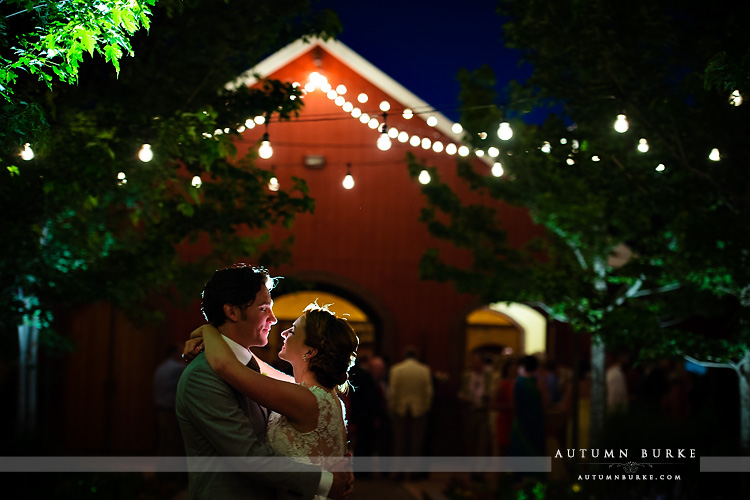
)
(423, 44)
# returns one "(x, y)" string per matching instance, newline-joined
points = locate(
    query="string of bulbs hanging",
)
(387, 134)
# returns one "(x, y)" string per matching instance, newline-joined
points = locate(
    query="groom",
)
(218, 421)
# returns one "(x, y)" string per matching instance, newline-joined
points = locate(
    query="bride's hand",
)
(193, 347)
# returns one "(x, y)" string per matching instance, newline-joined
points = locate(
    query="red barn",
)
(360, 249)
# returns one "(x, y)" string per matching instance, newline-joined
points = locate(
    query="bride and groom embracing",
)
(225, 394)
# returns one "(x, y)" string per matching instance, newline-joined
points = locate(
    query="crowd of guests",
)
(509, 405)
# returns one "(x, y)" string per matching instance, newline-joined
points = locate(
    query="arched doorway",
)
(505, 328)
(289, 306)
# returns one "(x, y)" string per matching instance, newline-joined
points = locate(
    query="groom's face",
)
(257, 319)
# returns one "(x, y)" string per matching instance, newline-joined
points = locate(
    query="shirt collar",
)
(243, 354)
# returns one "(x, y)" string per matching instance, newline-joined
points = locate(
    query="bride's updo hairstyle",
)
(336, 343)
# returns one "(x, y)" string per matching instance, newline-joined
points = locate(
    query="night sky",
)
(423, 44)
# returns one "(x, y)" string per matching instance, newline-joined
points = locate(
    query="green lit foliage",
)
(75, 233)
(48, 39)
(660, 63)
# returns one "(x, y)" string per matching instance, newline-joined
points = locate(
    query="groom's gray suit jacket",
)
(218, 421)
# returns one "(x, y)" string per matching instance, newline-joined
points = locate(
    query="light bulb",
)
(364, 118)
(348, 107)
(273, 184)
(341, 89)
(415, 140)
(437, 147)
(546, 147)
(325, 87)
(504, 132)
(356, 113)
(145, 154)
(463, 151)
(643, 145)
(249, 123)
(348, 181)
(408, 114)
(393, 132)
(451, 149)
(570, 161)
(426, 143)
(122, 178)
(715, 155)
(660, 167)
(362, 98)
(457, 128)
(385, 106)
(197, 182)
(493, 151)
(260, 120)
(384, 142)
(424, 177)
(332, 95)
(309, 87)
(27, 153)
(265, 150)
(432, 121)
(373, 123)
(339, 100)
(621, 124)
(497, 169)
(736, 98)
(595, 158)
(403, 136)
(479, 153)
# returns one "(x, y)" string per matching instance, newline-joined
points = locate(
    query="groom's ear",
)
(232, 312)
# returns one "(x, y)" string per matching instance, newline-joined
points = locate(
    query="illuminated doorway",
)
(288, 307)
(505, 328)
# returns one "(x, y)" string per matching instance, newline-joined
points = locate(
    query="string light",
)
(497, 169)
(341, 89)
(145, 154)
(265, 150)
(385, 106)
(643, 145)
(621, 124)
(432, 121)
(403, 136)
(451, 149)
(504, 131)
(197, 182)
(273, 184)
(463, 151)
(546, 147)
(735, 99)
(424, 177)
(415, 140)
(362, 98)
(27, 153)
(715, 155)
(122, 178)
(493, 152)
(457, 128)
(348, 182)
(259, 120)
(660, 167)
(408, 114)
(437, 147)
(595, 158)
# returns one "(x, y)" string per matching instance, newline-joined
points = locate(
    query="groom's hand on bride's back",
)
(343, 480)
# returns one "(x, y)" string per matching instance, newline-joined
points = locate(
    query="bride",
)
(309, 420)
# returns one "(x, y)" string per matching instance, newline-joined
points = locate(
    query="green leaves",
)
(64, 30)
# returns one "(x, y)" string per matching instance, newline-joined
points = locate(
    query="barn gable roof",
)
(357, 64)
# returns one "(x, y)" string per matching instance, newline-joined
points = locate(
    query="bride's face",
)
(294, 347)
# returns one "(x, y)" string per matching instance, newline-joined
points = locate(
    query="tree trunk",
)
(28, 337)
(743, 374)
(598, 391)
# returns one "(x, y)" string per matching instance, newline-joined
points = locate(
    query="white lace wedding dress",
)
(322, 446)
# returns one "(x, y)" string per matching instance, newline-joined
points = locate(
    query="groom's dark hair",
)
(237, 285)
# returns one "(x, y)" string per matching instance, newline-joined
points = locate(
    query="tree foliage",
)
(670, 68)
(87, 220)
(49, 39)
